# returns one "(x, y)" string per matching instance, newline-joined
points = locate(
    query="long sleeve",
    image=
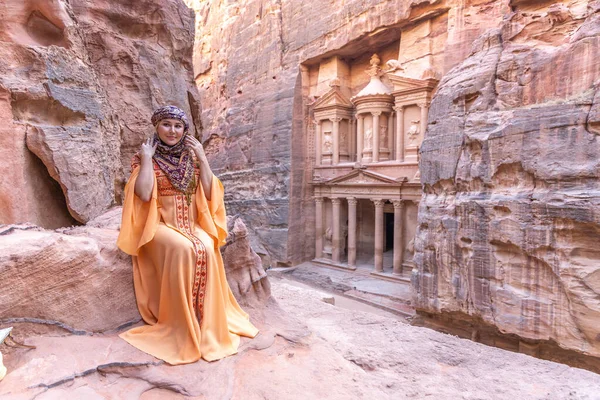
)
(211, 214)
(140, 219)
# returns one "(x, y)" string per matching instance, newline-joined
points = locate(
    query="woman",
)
(173, 225)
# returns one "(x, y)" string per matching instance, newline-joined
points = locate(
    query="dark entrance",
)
(389, 231)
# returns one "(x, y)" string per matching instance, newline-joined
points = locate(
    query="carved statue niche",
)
(383, 137)
(414, 130)
(368, 138)
(410, 250)
(343, 139)
(327, 142)
(328, 245)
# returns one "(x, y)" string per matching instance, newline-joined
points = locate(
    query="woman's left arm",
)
(206, 174)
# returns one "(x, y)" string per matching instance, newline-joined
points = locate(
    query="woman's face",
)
(170, 131)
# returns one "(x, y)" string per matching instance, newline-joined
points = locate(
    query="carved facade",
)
(366, 174)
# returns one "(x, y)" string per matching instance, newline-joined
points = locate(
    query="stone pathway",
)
(307, 349)
(393, 296)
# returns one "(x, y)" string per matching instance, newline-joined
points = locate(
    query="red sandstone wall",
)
(509, 224)
(79, 80)
(247, 60)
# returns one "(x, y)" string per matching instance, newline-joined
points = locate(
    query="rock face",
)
(305, 348)
(508, 224)
(250, 65)
(78, 280)
(245, 273)
(79, 82)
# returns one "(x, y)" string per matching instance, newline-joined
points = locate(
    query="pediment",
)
(404, 84)
(331, 99)
(361, 177)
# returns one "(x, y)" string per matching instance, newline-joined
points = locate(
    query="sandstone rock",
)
(245, 273)
(77, 279)
(306, 349)
(508, 229)
(80, 80)
(250, 63)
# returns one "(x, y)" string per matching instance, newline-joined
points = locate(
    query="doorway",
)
(389, 231)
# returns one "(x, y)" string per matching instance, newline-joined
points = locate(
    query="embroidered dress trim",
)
(184, 226)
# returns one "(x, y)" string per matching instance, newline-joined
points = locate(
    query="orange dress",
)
(178, 274)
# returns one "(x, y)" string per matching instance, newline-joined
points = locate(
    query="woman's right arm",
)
(145, 180)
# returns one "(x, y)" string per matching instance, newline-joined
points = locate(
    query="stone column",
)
(424, 111)
(360, 137)
(400, 133)
(378, 235)
(398, 235)
(336, 140)
(318, 227)
(376, 115)
(352, 202)
(351, 139)
(390, 143)
(318, 143)
(336, 239)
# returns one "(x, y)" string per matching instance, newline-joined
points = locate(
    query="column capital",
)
(360, 116)
(376, 113)
(316, 121)
(335, 119)
(352, 201)
(336, 200)
(318, 199)
(399, 109)
(378, 202)
(423, 104)
(398, 204)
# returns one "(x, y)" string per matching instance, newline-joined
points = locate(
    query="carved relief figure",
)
(343, 136)
(383, 137)
(328, 243)
(344, 243)
(410, 250)
(414, 130)
(327, 143)
(369, 138)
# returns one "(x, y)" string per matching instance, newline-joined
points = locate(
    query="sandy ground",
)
(307, 349)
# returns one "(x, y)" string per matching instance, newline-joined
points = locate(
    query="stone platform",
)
(393, 296)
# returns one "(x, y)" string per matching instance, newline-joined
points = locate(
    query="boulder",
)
(245, 273)
(78, 280)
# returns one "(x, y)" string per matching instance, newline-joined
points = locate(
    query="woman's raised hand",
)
(195, 145)
(147, 150)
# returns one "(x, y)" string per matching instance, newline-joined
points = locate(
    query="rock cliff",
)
(79, 82)
(250, 62)
(508, 224)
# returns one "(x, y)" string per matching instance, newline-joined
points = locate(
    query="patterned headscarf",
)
(170, 112)
(176, 161)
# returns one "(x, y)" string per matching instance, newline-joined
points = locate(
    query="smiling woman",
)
(173, 225)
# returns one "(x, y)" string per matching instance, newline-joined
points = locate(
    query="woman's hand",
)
(205, 171)
(145, 180)
(147, 150)
(196, 146)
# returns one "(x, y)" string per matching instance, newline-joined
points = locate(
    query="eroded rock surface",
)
(77, 280)
(306, 349)
(508, 224)
(248, 64)
(245, 273)
(79, 82)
